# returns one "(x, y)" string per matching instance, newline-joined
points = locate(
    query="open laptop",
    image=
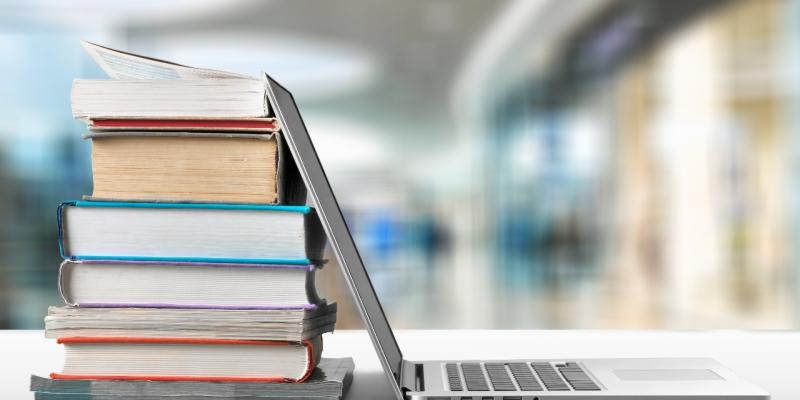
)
(523, 379)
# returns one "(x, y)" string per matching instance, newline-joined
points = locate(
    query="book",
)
(289, 324)
(156, 284)
(146, 87)
(187, 359)
(169, 98)
(61, 396)
(193, 167)
(190, 232)
(191, 125)
(330, 380)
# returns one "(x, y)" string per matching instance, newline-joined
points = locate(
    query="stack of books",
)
(189, 270)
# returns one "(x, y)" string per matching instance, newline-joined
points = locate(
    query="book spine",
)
(62, 287)
(62, 251)
(313, 354)
(291, 189)
(315, 237)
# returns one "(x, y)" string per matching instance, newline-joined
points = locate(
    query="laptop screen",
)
(339, 237)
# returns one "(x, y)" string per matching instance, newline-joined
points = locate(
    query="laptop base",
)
(614, 378)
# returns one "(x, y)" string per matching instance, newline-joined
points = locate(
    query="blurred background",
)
(502, 164)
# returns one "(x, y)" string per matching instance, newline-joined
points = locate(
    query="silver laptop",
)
(523, 379)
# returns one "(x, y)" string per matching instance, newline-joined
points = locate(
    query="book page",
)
(121, 65)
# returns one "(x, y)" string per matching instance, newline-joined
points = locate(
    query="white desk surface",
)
(769, 359)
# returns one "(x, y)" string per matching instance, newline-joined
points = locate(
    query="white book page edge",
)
(121, 65)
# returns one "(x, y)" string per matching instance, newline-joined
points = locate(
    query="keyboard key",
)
(577, 377)
(549, 376)
(453, 378)
(524, 377)
(474, 378)
(499, 377)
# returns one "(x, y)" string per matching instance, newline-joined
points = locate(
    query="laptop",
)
(523, 379)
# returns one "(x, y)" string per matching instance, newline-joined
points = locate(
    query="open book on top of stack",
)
(194, 257)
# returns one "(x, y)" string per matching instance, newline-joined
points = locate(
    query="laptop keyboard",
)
(518, 376)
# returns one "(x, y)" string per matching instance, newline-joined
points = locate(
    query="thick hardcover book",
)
(155, 284)
(188, 359)
(294, 325)
(194, 167)
(190, 232)
(330, 380)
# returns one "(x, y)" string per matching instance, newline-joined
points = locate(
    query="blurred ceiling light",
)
(517, 44)
(484, 58)
(104, 14)
(314, 69)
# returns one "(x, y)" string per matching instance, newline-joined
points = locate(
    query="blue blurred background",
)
(503, 164)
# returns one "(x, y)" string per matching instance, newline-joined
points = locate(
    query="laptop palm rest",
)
(667, 375)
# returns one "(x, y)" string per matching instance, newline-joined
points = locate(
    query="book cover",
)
(190, 232)
(197, 285)
(293, 325)
(194, 166)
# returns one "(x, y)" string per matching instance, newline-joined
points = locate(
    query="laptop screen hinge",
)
(413, 376)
